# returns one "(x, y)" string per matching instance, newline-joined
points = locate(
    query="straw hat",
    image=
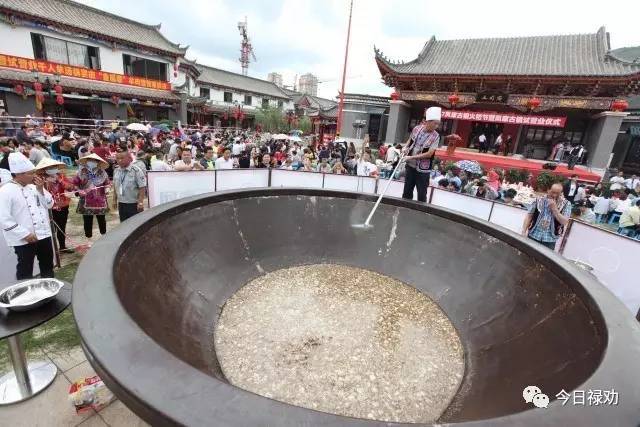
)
(93, 156)
(49, 163)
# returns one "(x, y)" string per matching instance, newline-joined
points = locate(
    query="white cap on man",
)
(18, 163)
(433, 114)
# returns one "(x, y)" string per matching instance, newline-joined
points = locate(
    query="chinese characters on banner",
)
(25, 64)
(509, 118)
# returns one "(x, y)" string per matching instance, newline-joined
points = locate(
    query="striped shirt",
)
(423, 140)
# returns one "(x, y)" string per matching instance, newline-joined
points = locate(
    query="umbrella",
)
(139, 127)
(162, 126)
(470, 166)
(280, 136)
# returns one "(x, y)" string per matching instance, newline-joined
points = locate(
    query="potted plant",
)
(545, 180)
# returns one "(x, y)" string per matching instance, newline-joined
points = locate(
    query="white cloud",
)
(299, 36)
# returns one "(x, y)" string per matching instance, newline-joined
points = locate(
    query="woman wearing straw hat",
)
(92, 182)
(58, 185)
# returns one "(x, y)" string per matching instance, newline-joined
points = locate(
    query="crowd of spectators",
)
(176, 149)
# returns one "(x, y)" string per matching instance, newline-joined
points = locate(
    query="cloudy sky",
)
(299, 36)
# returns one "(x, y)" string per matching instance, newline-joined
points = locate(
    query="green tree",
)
(270, 119)
(304, 124)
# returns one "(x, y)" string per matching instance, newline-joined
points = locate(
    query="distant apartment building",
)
(308, 83)
(275, 78)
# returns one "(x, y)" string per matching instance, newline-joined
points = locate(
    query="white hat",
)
(433, 113)
(18, 163)
(48, 162)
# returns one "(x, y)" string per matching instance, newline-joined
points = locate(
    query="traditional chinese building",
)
(223, 98)
(627, 148)
(365, 115)
(539, 90)
(322, 112)
(66, 59)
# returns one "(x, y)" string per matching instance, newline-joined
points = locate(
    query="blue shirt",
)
(543, 229)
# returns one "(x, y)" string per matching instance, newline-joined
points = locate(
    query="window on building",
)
(205, 92)
(280, 104)
(247, 100)
(228, 97)
(141, 67)
(265, 103)
(162, 114)
(64, 52)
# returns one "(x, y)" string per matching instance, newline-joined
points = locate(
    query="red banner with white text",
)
(507, 118)
(26, 64)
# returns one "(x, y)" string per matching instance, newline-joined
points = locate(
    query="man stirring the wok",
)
(421, 148)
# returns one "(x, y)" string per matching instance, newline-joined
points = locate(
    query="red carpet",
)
(534, 167)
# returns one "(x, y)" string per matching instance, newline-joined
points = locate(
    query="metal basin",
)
(147, 296)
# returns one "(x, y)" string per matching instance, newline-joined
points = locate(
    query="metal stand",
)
(26, 380)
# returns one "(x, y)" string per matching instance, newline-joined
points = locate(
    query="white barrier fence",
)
(610, 254)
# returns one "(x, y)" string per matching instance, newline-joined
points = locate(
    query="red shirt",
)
(279, 156)
(57, 189)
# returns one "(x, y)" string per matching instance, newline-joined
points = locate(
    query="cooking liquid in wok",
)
(341, 340)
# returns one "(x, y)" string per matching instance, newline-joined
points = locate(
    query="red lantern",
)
(619, 105)
(395, 95)
(18, 89)
(59, 100)
(57, 89)
(534, 103)
(37, 86)
(453, 99)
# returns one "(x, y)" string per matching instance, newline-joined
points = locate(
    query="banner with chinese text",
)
(26, 64)
(507, 118)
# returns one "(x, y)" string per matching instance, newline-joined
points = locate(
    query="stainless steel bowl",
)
(30, 294)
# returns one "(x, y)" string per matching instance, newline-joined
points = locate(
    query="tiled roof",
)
(70, 84)
(93, 21)
(295, 96)
(317, 102)
(629, 54)
(218, 77)
(329, 113)
(356, 98)
(560, 55)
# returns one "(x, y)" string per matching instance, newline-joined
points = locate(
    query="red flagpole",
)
(344, 73)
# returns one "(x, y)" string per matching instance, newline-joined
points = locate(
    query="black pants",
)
(127, 210)
(88, 224)
(60, 219)
(416, 179)
(27, 253)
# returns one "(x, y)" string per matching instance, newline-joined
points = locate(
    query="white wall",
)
(17, 41)
(217, 95)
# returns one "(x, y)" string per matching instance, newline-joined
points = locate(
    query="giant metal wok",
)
(147, 296)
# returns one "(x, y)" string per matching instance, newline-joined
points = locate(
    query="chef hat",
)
(433, 113)
(18, 163)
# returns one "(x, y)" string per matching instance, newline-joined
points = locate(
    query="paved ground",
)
(57, 341)
(53, 408)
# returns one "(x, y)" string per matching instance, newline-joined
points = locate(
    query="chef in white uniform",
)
(24, 217)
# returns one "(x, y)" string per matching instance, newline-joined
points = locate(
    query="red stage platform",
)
(533, 166)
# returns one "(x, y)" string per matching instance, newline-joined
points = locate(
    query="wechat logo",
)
(533, 394)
